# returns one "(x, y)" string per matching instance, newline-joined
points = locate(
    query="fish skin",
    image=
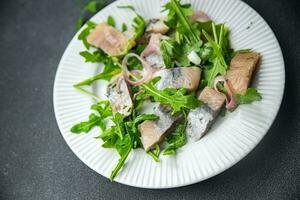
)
(201, 119)
(241, 70)
(109, 39)
(119, 96)
(153, 132)
(179, 77)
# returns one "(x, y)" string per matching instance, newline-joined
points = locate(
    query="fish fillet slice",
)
(241, 70)
(179, 77)
(119, 96)
(109, 39)
(153, 132)
(201, 119)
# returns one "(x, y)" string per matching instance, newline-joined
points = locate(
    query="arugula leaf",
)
(104, 110)
(109, 136)
(139, 48)
(124, 27)
(79, 22)
(111, 67)
(123, 147)
(177, 99)
(206, 52)
(108, 72)
(176, 140)
(117, 132)
(111, 21)
(143, 117)
(168, 52)
(138, 105)
(213, 71)
(91, 6)
(124, 137)
(95, 57)
(130, 7)
(85, 33)
(87, 125)
(251, 95)
(178, 18)
(155, 154)
(187, 35)
(139, 26)
(177, 11)
(173, 52)
(219, 65)
(118, 120)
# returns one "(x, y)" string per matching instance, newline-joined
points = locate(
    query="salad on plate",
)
(168, 80)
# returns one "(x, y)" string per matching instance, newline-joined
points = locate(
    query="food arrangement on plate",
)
(181, 66)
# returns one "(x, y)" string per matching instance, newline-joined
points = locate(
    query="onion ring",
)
(231, 101)
(146, 73)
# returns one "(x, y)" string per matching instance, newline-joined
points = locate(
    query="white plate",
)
(230, 139)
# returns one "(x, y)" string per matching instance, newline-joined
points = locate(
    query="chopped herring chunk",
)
(157, 26)
(241, 69)
(109, 39)
(153, 132)
(212, 98)
(179, 77)
(201, 119)
(119, 96)
(152, 52)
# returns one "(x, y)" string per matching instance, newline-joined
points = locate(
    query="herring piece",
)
(119, 96)
(157, 26)
(156, 60)
(153, 132)
(201, 119)
(215, 100)
(241, 70)
(179, 77)
(152, 52)
(109, 39)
